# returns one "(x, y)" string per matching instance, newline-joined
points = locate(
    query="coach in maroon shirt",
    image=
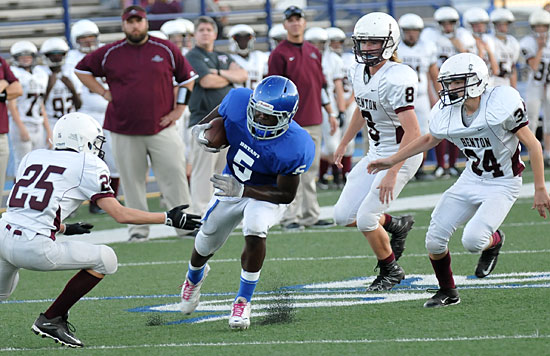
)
(142, 110)
(10, 88)
(300, 61)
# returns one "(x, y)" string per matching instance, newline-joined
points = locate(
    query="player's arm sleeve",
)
(197, 63)
(514, 106)
(402, 87)
(96, 179)
(276, 64)
(224, 105)
(436, 117)
(92, 63)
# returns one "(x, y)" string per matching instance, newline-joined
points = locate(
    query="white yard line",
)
(419, 202)
(535, 335)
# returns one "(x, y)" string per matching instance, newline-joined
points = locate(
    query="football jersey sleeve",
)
(401, 87)
(95, 183)
(436, 118)
(508, 104)
(184, 72)
(351, 71)
(514, 45)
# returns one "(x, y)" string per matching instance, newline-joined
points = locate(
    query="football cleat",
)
(240, 314)
(191, 293)
(443, 298)
(58, 329)
(488, 259)
(399, 229)
(389, 276)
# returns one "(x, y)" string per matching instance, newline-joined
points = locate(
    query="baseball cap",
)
(293, 10)
(134, 10)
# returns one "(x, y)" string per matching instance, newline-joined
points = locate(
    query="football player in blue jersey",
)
(267, 153)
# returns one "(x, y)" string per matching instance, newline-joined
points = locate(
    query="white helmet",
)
(241, 30)
(411, 22)
(54, 45)
(276, 34)
(444, 14)
(539, 17)
(157, 34)
(316, 34)
(375, 26)
(502, 15)
(176, 27)
(335, 34)
(463, 66)
(20, 48)
(80, 132)
(475, 15)
(84, 28)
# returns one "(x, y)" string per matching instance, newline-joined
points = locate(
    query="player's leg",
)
(43, 254)
(9, 273)
(368, 218)
(218, 222)
(533, 99)
(130, 154)
(453, 209)
(259, 217)
(481, 233)
(422, 109)
(546, 126)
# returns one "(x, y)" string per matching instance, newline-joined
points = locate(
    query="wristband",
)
(3, 96)
(184, 95)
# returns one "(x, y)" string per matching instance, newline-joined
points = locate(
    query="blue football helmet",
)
(276, 96)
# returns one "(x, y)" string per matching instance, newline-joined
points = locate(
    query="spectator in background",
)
(85, 39)
(10, 88)
(211, 6)
(142, 110)
(163, 7)
(300, 61)
(217, 73)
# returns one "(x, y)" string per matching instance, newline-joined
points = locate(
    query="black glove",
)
(178, 219)
(341, 118)
(78, 228)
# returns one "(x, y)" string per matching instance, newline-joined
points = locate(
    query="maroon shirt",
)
(5, 73)
(302, 65)
(140, 79)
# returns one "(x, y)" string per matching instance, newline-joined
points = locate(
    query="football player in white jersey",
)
(32, 129)
(276, 34)
(63, 91)
(385, 93)
(336, 40)
(85, 39)
(535, 48)
(50, 185)
(507, 48)
(477, 22)
(241, 47)
(421, 56)
(488, 125)
(180, 32)
(333, 69)
(449, 39)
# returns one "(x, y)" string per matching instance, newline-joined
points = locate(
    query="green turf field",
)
(310, 300)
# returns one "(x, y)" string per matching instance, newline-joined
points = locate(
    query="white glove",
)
(228, 185)
(198, 133)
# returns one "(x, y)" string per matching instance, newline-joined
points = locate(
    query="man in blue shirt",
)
(267, 153)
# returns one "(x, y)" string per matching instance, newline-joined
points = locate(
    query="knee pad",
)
(367, 222)
(109, 259)
(342, 216)
(204, 245)
(436, 240)
(473, 243)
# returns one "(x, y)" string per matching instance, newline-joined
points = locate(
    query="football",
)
(216, 134)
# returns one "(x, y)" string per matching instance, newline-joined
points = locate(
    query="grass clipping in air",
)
(281, 310)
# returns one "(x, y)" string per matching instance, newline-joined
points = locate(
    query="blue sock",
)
(195, 273)
(248, 284)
